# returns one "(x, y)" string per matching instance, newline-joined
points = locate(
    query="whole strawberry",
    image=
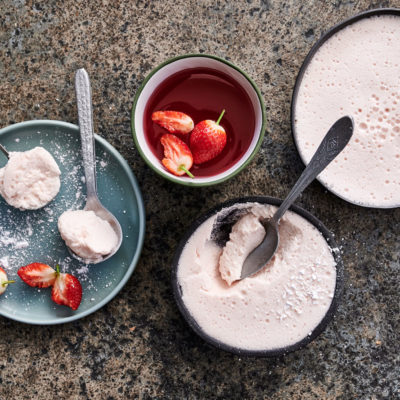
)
(207, 140)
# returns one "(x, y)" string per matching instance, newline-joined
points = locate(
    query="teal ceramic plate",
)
(32, 236)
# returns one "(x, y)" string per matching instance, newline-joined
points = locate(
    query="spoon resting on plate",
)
(85, 116)
(4, 151)
(332, 144)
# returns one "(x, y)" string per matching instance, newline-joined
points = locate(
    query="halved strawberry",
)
(67, 290)
(173, 121)
(37, 275)
(4, 281)
(178, 157)
(207, 140)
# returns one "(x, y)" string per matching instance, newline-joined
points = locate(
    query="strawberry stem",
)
(7, 282)
(57, 270)
(220, 117)
(183, 168)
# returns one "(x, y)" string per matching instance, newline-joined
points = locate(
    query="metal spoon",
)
(4, 150)
(333, 143)
(85, 116)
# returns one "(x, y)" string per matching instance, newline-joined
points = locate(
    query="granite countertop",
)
(138, 345)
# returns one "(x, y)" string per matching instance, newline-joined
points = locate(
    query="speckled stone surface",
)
(139, 346)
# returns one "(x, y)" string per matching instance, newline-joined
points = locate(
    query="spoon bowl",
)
(85, 114)
(94, 204)
(265, 250)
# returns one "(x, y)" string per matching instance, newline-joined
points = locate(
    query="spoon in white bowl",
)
(332, 144)
(85, 116)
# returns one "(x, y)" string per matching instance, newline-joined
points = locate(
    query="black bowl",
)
(260, 353)
(328, 34)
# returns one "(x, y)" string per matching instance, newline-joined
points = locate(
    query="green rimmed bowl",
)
(33, 235)
(177, 64)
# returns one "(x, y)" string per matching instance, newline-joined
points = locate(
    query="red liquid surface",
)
(203, 93)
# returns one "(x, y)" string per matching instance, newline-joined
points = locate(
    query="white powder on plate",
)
(32, 236)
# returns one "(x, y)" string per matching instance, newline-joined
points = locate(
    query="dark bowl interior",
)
(261, 353)
(328, 34)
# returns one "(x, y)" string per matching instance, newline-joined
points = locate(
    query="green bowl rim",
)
(141, 227)
(170, 177)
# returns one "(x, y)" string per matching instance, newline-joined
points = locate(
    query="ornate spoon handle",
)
(332, 144)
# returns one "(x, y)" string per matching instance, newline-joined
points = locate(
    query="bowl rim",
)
(141, 223)
(328, 236)
(193, 183)
(324, 37)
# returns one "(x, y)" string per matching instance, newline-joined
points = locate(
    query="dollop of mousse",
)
(30, 179)
(246, 235)
(277, 307)
(87, 235)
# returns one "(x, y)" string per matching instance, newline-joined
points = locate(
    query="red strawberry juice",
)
(203, 93)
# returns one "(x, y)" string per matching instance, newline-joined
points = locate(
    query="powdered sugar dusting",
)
(32, 236)
(277, 307)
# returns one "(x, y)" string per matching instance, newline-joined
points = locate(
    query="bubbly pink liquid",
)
(203, 93)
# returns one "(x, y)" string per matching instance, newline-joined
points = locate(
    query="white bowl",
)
(164, 71)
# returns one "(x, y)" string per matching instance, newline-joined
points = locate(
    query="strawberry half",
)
(207, 140)
(178, 158)
(67, 290)
(173, 121)
(37, 275)
(3, 281)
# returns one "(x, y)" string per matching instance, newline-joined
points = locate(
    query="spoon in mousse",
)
(332, 144)
(106, 221)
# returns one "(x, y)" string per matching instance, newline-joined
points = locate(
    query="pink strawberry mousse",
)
(87, 235)
(246, 235)
(356, 72)
(275, 308)
(30, 179)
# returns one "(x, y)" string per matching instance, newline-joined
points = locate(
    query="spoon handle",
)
(332, 144)
(4, 150)
(85, 117)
